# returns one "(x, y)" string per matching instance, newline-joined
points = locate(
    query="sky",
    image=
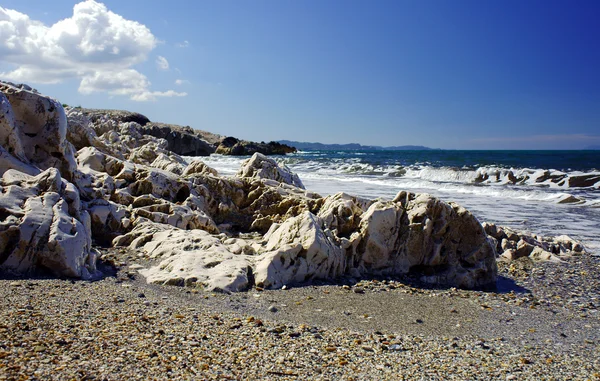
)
(464, 74)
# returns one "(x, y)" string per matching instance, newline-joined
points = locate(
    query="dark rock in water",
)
(235, 147)
(181, 140)
(584, 180)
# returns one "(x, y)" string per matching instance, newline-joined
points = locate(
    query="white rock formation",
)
(199, 229)
(262, 167)
(41, 127)
(512, 244)
(43, 226)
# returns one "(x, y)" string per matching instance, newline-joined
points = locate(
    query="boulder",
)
(191, 258)
(199, 167)
(515, 244)
(442, 241)
(43, 227)
(118, 116)
(34, 130)
(180, 140)
(235, 147)
(261, 167)
(298, 251)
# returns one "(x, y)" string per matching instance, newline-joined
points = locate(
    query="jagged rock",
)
(235, 147)
(419, 232)
(443, 242)
(342, 213)
(169, 163)
(298, 251)
(130, 187)
(191, 258)
(514, 244)
(262, 167)
(118, 116)
(199, 167)
(43, 227)
(180, 140)
(40, 129)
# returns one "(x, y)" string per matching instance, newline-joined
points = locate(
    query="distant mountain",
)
(592, 147)
(306, 146)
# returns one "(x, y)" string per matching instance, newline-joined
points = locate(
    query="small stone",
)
(39, 348)
(358, 290)
(272, 308)
(367, 348)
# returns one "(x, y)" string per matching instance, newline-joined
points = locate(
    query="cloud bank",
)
(94, 45)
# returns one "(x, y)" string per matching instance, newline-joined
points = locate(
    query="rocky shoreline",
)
(278, 282)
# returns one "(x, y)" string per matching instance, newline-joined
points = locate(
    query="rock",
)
(420, 233)
(235, 147)
(513, 245)
(199, 167)
(298, 251)
(44, 227)
(180, 140)
(262, 167)
(169, 163)
(191, 258)
(523, 248)
(40, 129)
(119, 116)
(129, 187)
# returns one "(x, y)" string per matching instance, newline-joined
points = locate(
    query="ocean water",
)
(544, 192)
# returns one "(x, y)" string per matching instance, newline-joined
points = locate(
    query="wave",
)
(482, 175)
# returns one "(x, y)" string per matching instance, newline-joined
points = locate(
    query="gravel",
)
(541, 323)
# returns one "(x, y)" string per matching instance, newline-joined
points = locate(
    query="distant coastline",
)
(304, 146)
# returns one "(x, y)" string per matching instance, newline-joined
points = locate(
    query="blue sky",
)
(449, 74)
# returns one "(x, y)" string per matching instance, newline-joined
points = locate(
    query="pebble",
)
(272, 308)
(86, 335)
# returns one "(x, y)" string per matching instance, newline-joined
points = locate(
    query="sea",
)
(543, 192)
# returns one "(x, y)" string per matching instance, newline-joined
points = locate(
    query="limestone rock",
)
(517, 244)
(180, 140)
(421, 233)
(197, 166)
(171, 163)
(262, 167)
(40, 129)
(298, 251)
(192, 258)
(44, 228)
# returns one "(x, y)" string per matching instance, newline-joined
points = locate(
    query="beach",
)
(123, 259)
(541, 324)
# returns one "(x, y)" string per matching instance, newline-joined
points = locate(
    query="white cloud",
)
(162, 63)
(183, 44)
(94, 45)
(180, 82)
